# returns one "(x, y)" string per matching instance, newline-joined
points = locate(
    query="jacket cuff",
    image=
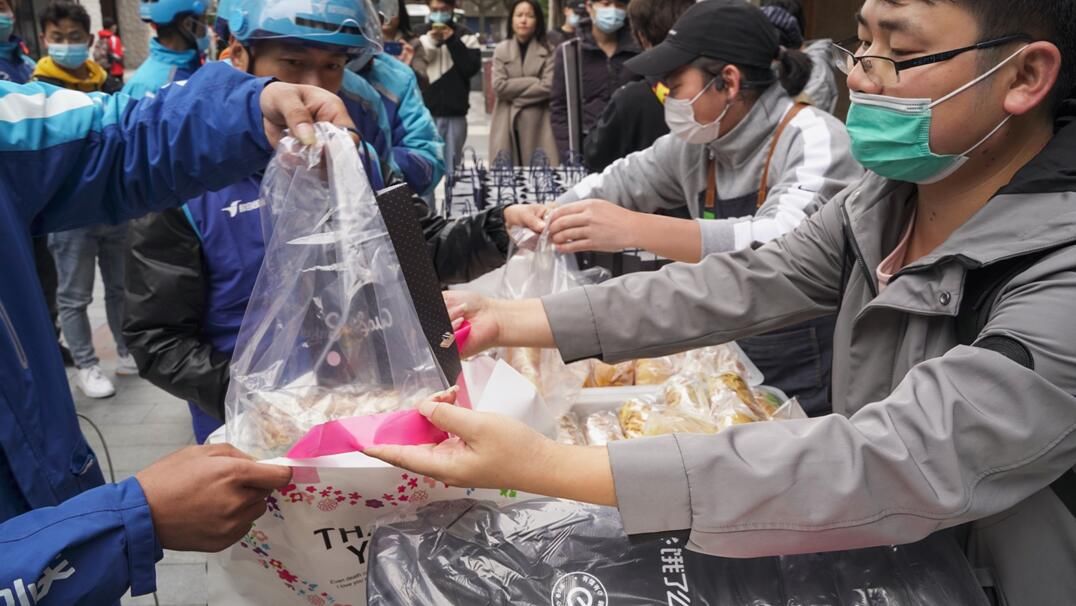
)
(651, 484)
(143, 548)
(718, 236)
(572, 320)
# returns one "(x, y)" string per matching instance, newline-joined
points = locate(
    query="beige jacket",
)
(521, 123)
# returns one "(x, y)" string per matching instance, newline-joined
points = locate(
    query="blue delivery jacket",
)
(417, 149)
(64, 534)
(14, 65)
(163, 66)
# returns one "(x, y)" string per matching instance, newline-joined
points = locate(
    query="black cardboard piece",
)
(396, 205)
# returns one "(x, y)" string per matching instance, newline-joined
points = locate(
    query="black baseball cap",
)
(732, 31)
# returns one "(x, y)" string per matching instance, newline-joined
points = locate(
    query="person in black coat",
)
(606, 44)
(635, 116)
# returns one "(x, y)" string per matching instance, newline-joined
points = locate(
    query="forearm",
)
(669, 237)
(579, 473)
(523, 323)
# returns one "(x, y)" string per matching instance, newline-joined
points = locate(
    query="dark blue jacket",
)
(94, 159)
(14, 65)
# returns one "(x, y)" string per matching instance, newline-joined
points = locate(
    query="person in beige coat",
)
(522, 78)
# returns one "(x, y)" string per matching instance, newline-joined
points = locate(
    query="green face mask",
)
(891, 135)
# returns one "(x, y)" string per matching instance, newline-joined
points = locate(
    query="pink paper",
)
(356, 434)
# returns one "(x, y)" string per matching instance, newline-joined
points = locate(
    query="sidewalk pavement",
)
(141, 424)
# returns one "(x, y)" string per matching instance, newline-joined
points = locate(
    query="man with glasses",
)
(178, 48)
(952, 268)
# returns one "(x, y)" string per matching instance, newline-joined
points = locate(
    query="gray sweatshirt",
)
(811, 164)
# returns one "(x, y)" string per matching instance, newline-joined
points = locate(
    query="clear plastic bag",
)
(330, 331)
(535, 269)
(559, 553)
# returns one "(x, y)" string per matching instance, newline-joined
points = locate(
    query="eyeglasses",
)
(884, 71)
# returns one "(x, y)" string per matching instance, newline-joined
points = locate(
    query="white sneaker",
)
(126, 367)
(94, 384)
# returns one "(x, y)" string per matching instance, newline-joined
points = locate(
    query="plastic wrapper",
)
(633, 415)
(570, 431)
(665, 421)
(534, 269)
(602, 428)
(558, 553)
(330, 331)
(611, 375)
(655, 371)
(687, 392)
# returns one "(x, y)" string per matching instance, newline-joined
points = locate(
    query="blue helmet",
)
(351, 24)
(163, 12)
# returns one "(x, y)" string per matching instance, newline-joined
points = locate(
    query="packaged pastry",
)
(570, 431)
(678, 420)
(732, 402)
(654, 371)
(686, 392)
(632, 416)
(602, 428)
(768, 401)
(611, 375)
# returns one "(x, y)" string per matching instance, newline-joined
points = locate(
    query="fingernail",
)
(305, 133)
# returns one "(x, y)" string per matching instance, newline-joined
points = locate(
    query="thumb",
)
(451, 418)
(260, 475)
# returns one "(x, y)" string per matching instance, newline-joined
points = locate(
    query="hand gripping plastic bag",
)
(535, 269)
(331, 331)
(558, 553)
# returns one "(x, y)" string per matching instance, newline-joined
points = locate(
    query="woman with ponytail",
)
(819, 87)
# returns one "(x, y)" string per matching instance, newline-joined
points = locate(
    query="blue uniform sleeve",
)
(417, 148)
(107, 159)
(87, 550)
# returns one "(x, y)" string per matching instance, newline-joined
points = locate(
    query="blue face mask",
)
(610, 19)
(573, 20)
(202, 43)
(71, 56)
(443, 17)
(7, 25)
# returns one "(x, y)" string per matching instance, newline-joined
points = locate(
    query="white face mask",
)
(680, 116)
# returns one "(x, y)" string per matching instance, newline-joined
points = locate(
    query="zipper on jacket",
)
(14, 337)
(846, 224)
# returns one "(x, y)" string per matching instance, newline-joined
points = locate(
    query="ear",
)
(1037, 68)
(733, 80)
(240, 58)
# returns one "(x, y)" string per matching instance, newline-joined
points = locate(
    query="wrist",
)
(635, 229)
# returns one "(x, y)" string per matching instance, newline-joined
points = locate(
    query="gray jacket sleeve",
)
(722, 298)
(645, 181)
(963, 436)
(812, 163)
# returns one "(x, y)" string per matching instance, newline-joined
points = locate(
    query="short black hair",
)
(108, 22)
(58, 11)
(651, 20)
(539, 26)
(452, 3)
(1051, 20)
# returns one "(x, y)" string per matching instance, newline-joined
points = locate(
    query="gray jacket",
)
(811, 164)
(821, 90)
(928, 435)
